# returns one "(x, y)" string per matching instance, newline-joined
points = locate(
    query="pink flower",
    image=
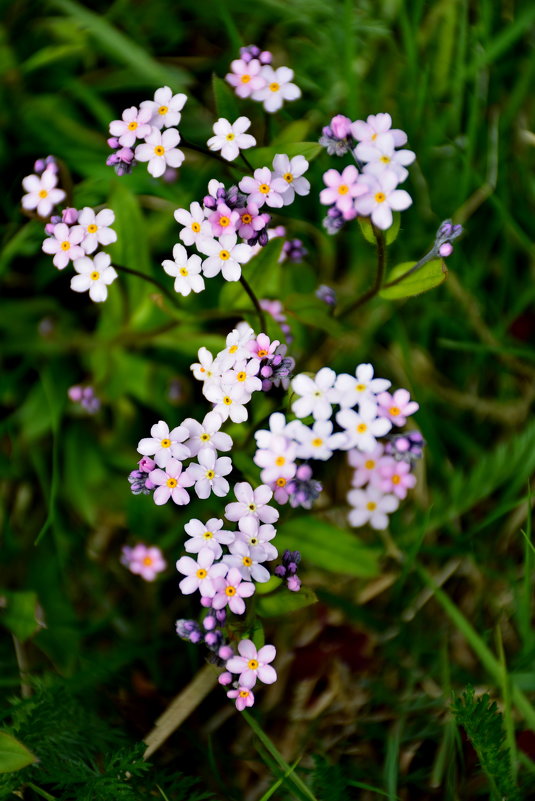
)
(232, 590)
(165, 108)
(248, 561)
(291, 171)
(397, 407)
(381, 198)
(211, 535)
(255, 535)
(365, 465)
(265, 187)
(243, 696)
(277, 461)
(143, 561)
(340, 126)
(96, 228)
(206, 434)
(65, 244)
(250, 221)
(278, 87)
(171, 483)
(208, 474)
(341, 189)
(201, 574)
(252, 503)
(381, 156)
(253, 664)
(375, 126)
(133, 125)
(42, 193)
(262, 347)
(223, 220)
(394, 476)
(245, 77)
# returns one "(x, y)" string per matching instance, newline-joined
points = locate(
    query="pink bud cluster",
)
(253, 76)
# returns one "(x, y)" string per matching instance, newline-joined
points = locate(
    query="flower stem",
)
(373, 290)
(168, 294)
(261, 317)
(210, 154)
(428, 257)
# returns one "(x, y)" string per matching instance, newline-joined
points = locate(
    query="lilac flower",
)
(381, 156)
(94, 275)
(265, 187)
(206, 434)
(64, 244)
(364, 464)
(229, 400)
(277, 461)
(212, 535)
(230, 138)
(394, 476)
(262, 347)
(208, 474)
(232, 590)
(185, 270)
(370, 506)
(165, 108)
(316, 394)
(245, 77)
(201, 574)
(375, 126)
(251, 221)
(252, 503)
(160, 150)
(243, 696)
(303, 489)
(291, 171)
(42, 194)
(318, 442)
(362, 429)
(397, 407)
(278, 88)
(255, 535)
(247, 561)
(194, 223)
(171, 483)
(342, 189)
(143, 560)
(362, 388)
(381, 198)
(224, 255)
(277, 428)
(96, 228)
(244, 373)
(164, 444)
(223, 220)
(133, 125)
(252, 664)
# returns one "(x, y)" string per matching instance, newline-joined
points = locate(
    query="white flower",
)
(224, 255)
(316, 394)
(256, 535)
(381, 156)
(371, 506)
(247, 561)
(206, 434)
(318, 442)
(381, 197)
(185, 271)
(133, 125)
(245, 374)
(362, 429)
(165, 108)
(212, 535)
(291, 171)
(277, 461)
(199, 574)
(160, 150)
(277, 428)
(96, 227)
(361, 388)
(94, 275)
(235, 347)
(377, 125)
(252, 503)
(42, 193)
(229, 400)
(264, 187)
(278, 87)
(208, 473)
(230, 137)
(163, 444)
(194, 223)
(206, 368)
(65, 245)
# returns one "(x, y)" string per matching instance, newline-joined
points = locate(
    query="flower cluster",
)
(148, 134)
(143, 560)
(42, 192)
(370, 188)
(367, 412)
(253, 76)
(86, 397)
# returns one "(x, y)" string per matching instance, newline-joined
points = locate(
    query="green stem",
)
(211, 154)
(261, 317)
(400, 278)
(373, 290)
(168, 294)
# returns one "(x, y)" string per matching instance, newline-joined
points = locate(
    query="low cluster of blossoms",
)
(253, 76)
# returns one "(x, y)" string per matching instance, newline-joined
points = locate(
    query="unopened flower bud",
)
(446, 249)
(206, 602)
(209, 622)
(75, 393)
(294, 583)
(340, 126)
(69, 216)
(146, 464)
(225, 678)
(225, 652)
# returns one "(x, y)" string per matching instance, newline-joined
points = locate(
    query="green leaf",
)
(19, 613)
(283, 602)
(329, 547)
(225, 100)
(268, 586)
(263, 156)
(427, 277)
(13, 754)
(367, 229)
(311, 311)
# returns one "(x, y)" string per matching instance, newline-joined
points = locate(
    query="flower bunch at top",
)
(42, 192)
(148, 133)
(369, 188)
(253, 76)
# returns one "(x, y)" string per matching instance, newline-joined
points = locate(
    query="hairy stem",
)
(168, 294)
(379, 275)
(261, 317)
(211, 154)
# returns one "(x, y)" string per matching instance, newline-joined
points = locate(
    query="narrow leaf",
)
(13, 754)
(428, 276)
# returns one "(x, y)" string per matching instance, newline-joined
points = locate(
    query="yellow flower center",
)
(252, 664)
(369, 464)
(210, 474)
(183, 271)
(247, 561)
(43, 193)
(241, 376)
(385, 159)
(227, 401)
(262, 353)
(208, 535)
(165, 443)
(246, 218)
(230, 591)
(159, 150)
(195, 227)
(132, 126)
(280, 482)
(288, 177)
(92, 229)
(264, 188)
(245, 78)
(65, 245)
(395, 411)
(244, 693)
(230, 136)
(362, 427)
(395, 479)
(224, 255)
(374, 137)
(163, 110)
(280, 460)
(233, 349)
(147, 561)
(274, 87)
(343, 189)
(380, 197)
(204, 437)
(94, 275)
(360, 387)
(201, 573)
(224, 221)
(171, 483)
(317, 442)
(370, 506)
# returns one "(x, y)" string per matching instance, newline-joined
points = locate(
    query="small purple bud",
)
(69, 215)
(446, 249)
(206, 602)
(326, 294)
(340, 126)
(212, 638)
(126, 154)
(113, 159)
(266, 371)
(210, 202)
(294, 583)
(225, 678)
(209, 622)
(225, 652)
(221, 616)
(263, 238)
(49, 228)
(39, 166)
(265, 57)
(149, 484)
(267, 385)
(280, 571)
(304, 472)
(277, 358)
(146, 464)
(75, 393)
